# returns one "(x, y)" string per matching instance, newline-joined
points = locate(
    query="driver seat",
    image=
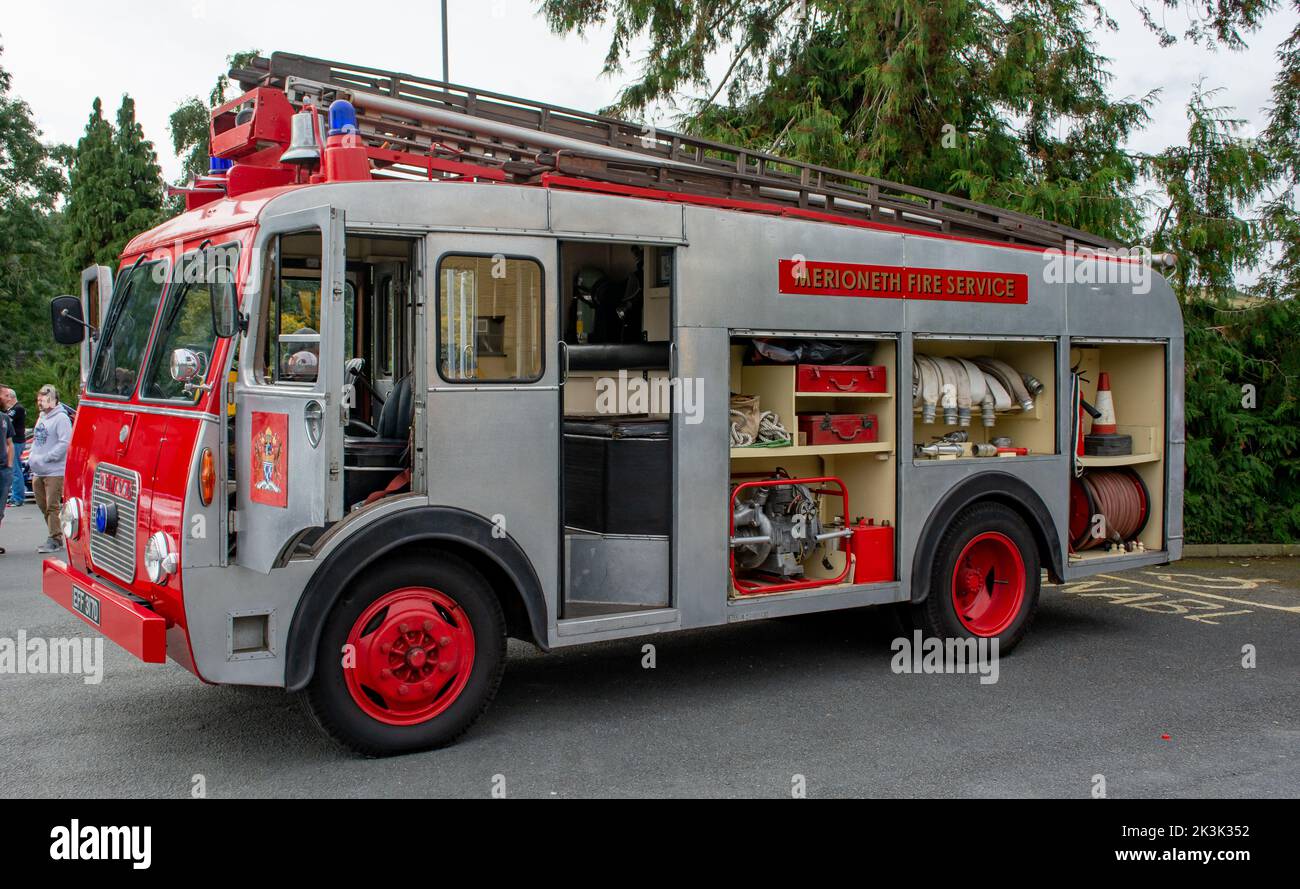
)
(370, 461)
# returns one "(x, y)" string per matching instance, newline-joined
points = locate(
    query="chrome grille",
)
(115, 553)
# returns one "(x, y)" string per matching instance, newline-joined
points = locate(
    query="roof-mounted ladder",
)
(536, 142)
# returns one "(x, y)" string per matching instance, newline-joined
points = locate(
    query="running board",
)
(615, 626)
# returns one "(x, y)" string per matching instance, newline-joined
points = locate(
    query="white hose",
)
(929, 387)
(980, 393)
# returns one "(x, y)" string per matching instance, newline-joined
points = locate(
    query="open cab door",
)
(289, 395)
(96, 290)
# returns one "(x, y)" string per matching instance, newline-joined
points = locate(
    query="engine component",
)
(776, 528)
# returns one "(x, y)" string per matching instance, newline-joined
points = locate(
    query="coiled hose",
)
(1117, 496)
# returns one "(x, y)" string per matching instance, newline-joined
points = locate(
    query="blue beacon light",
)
(343, 117)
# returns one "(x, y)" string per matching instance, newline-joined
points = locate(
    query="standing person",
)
(10, 404)
(8, 460)
(50, 439)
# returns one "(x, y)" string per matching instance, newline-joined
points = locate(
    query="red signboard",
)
(270, 452)
(812, 278)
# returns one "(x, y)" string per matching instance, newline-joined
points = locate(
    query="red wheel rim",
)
(988, 584)
(413, 651)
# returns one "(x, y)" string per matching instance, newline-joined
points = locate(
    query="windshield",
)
(187, 320)
(126, 332)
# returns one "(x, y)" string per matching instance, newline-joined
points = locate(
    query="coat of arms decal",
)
(270, 474)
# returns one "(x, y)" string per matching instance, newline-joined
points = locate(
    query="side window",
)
(386, 328)
(290, 323)
(489, 318)
(187, 319)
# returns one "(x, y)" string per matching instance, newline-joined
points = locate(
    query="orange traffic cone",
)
(1105, 424)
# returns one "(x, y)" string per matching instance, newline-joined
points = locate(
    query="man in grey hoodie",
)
(50, 439)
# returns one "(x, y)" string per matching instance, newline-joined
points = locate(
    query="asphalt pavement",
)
(1158, 682)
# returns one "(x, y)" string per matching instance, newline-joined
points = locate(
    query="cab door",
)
(492, 411)
(96, 289)
(289, 396)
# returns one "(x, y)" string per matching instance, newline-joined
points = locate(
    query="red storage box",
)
(840, 378)
(826, 429)
(873, 548)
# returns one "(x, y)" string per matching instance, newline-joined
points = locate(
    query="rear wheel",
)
(985, 580)
(410, 656)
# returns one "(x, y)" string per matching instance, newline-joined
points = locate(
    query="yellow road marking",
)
(1294, 609)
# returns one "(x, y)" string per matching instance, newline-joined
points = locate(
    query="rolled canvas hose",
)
(1001, 397)
(1009, 377)
(929, 374)
(963, 390)
(948, 390)
(979, 392)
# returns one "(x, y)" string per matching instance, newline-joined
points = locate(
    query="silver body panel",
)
(725, 280)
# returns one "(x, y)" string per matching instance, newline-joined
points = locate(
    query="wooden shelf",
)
(882, 447)
(843, 395)
(1119, 460)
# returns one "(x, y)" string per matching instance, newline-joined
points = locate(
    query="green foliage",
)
(31, 180)
(115, 190)
(1210, 186)
(1243, 461)
(1004, 103)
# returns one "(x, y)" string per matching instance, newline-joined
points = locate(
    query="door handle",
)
(564, 362)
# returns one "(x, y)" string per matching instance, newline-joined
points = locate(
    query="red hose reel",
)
(1119, 496)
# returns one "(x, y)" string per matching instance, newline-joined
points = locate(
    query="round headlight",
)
(70, 518)
(159, 557)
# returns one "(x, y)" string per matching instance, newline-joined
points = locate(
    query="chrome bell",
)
(303, 147)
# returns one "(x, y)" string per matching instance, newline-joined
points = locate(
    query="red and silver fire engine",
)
(422, 368)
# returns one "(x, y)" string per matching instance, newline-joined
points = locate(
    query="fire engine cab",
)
(422, 368)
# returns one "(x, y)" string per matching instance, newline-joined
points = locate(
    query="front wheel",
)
(409, 658)
(985, 580)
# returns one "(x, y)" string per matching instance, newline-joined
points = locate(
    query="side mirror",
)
(225, 310)
(67, 321)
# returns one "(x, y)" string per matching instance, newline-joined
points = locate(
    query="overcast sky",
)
(63, 54)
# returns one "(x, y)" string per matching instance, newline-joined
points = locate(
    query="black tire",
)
(937, 615)
(327, 696)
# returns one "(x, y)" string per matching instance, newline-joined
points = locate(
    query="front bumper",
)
(137, 629)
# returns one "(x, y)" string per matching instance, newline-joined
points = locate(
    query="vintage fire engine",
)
(422, 368)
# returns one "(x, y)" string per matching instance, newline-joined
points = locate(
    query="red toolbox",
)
(840, 378)
(827, 429)
(873, 551)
